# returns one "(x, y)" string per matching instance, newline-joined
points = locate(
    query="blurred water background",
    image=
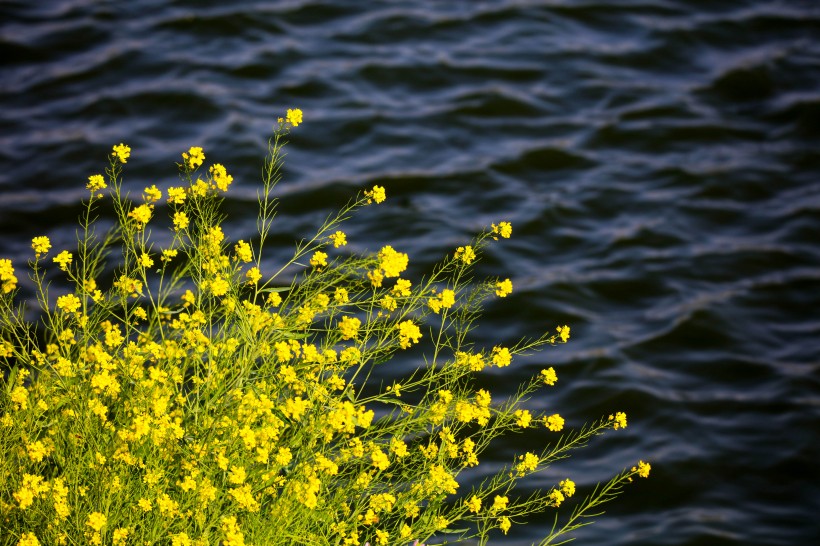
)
(658, 159)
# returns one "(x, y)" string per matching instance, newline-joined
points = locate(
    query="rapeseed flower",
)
(409, 333)
(466, 254)
(122, 152)
(503, 228)
(8, 281)
(194, 157)
(642, 469)
(619, 420)
(40, 245)
(549, 376)
(294, 116)
(377, 194)
(96, 182)
(63, 259)
(554, 422)
(503, 288)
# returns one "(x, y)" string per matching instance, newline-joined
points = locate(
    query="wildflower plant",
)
(190, 393)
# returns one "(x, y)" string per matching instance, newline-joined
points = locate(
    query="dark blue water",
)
(659, 161)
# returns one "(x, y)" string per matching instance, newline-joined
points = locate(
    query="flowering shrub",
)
(201, 397)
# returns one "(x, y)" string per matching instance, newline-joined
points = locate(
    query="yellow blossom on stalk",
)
(294, 116)
(376, 277)
(253, 275)
(146, 260)
(145, 505)
(620, 420)
(319, 259)
(474, 504)
(377, 194)
(63, 259)
(523, 418)
(8, 281)
(499, 504)
(567, 487)
(504, 524)
(402, 287)
(152, 194)
(37, 451)
(221, 177)
(142, 215)
(549, 376)
(555, 498)
(28, 539)
(169, 254)
(563, 331)
(466, 254)
(642, 469)
(409, 333)
(501, 357)
(40, 245)
(176, 195)
(392, 263)
(503, 288)
(554, 422)
(180, 220)
(379, 459)
(503, 228)
(194, 157)
(122, 152)
(349, 327)
(338, 239)
(120, 536)
(341, 295)
(69, 303)
(243, 251)
(528, 463)
(96, 521)
(96, 182)
(445, 300)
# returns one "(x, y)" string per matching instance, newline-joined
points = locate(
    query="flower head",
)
(122, 152)
(193, 157)
(40, 245)
(377, 194)
(294, 116)
(96, 182)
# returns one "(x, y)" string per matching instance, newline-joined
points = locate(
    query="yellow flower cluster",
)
(8, 281)
(194, 157)
(122, 152)
(377, 194)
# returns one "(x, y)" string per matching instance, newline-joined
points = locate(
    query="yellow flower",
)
(528, 463)
(180, 221)
(243, 251)
(503, 228)
(193, 157)
(620, 420)
(145, 260)
(176, 195)
(474, 504)
(499, 504)
(349, 327)
(504, 524)
(555, 498)
(8, 281)
(563, 331)
(341, 295)
(253, 275)
(152, 194)
(122, 152)
(69, 303)
(40, 245)
(549, 376)
(294, 116)
(567, 487)
(379, 459)
(466, 254)
(28, 539)
(221, 177)
(501, 357)
(554, 422)
(392, 263)
(96, 182)
(409, 333)
(377, 194)
(643, 469)
(142, 214)
(63, 259)
(402, 287)
(338, 239)
(96, 520)
(523, 418)
(503, 288)
(145, 505)
(319, 259)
